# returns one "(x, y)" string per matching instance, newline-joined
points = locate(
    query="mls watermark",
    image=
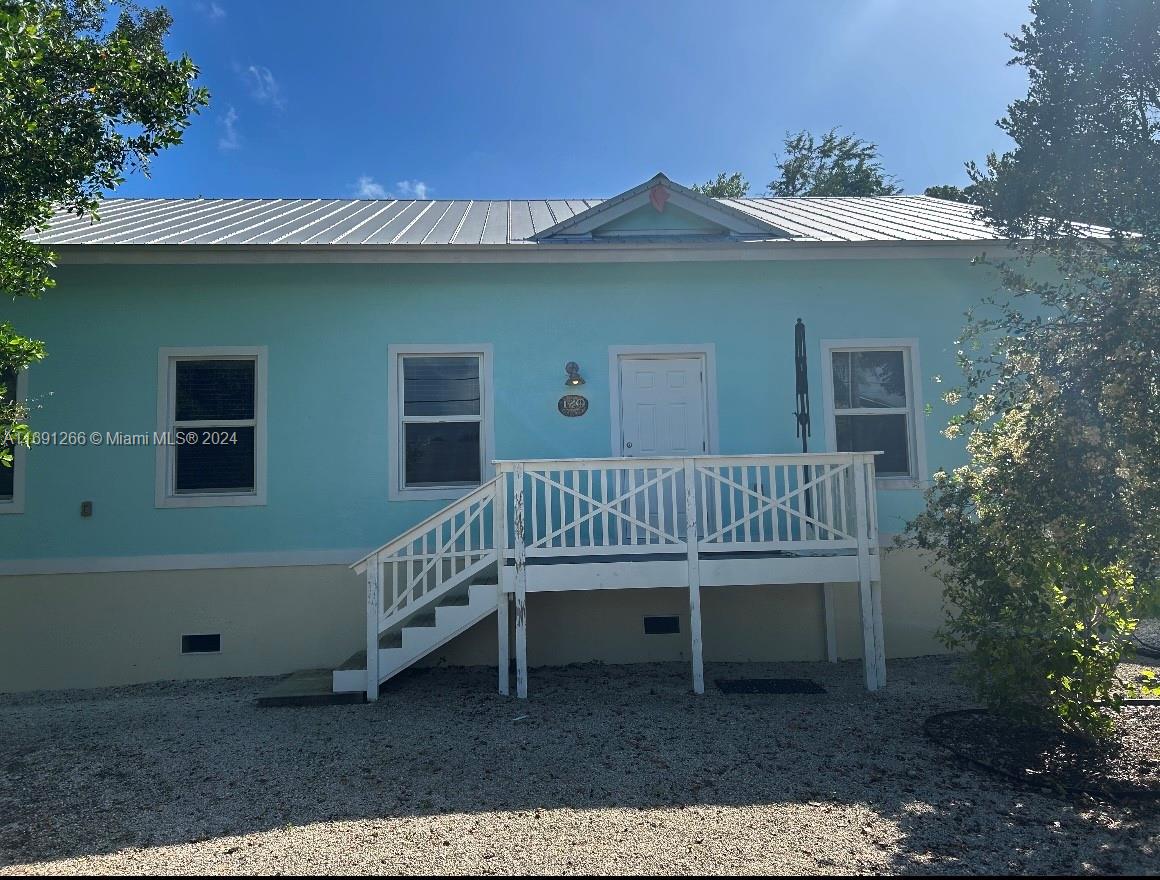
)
(191, 437)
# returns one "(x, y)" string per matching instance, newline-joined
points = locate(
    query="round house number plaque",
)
(572, 405)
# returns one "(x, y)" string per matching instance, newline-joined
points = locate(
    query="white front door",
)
(663, 412)
(662, 406)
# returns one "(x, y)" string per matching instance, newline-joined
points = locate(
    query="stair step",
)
(423, 620)
(454, 600)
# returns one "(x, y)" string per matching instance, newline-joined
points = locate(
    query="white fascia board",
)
(621, 252)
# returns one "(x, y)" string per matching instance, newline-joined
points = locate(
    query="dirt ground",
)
(604, 770)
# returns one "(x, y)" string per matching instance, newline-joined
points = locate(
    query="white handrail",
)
(441, 514)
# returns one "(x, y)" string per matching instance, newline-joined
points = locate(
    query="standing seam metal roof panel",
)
(471, 229)
(239, 222)
(321, 222)
(386, 233)
(887, 221)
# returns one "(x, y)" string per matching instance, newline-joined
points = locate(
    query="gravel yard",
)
(604, 770)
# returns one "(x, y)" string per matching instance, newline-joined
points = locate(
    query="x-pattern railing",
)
(810, 493)
(622, 508)
(625, 505)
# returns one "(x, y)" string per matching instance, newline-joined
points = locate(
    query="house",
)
(555, 430)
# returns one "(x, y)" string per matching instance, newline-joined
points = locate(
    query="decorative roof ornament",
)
(658, 196)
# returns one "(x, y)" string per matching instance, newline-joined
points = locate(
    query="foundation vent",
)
(665, 625)
(204, 643)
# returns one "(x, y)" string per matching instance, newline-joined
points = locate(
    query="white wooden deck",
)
(635, 523)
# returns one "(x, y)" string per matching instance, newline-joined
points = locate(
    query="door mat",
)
(769, 686)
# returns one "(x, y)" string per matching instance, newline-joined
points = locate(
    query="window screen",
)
(214, 426)
(872, 408)
(442, 421)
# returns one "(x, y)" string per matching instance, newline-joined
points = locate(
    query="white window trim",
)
(396, 491)
(909, 348)
(706, 351)
(166, 357)
(19, 457)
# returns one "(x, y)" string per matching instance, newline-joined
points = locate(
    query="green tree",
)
(952, 193)
(84, 103)
(726, 186)
(835, 165)
(1086, 133)
(1047, 539)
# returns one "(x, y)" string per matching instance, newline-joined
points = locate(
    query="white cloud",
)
(263, 86)
(230, 140)
(411, 189)
(211, 10)
(368, 188)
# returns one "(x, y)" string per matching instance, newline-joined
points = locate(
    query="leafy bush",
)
(1027, 539)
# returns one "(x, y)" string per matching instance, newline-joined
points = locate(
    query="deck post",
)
(374, 576)
(830, 611)
(694, 576)
(879, 641)
(503, 624)
(503, 643)
(521, 574)
(865, 594)
(876, 586)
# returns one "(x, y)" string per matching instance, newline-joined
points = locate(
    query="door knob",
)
(628, 445)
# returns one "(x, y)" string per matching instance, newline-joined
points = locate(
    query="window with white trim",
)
(214, 425)
(9, 473)
(872, 406)
(441, 424)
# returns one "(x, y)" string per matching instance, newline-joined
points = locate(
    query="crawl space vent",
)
(662, 626)
(207, 643)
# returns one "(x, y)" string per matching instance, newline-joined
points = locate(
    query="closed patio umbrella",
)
(802, 381)
(802, 412)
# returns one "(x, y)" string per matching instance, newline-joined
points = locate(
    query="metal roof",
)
(467, 222)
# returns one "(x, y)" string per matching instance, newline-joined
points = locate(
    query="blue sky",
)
(542, 99)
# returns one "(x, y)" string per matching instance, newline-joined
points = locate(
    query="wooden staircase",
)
(404, 644)
(427, 586)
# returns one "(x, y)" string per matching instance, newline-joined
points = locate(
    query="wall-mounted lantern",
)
(574, 377)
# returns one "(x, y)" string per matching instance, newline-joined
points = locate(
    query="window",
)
(213, 418)
(871, 402)
(442, 416)
(12, 478)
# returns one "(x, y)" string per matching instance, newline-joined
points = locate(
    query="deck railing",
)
(627, 506)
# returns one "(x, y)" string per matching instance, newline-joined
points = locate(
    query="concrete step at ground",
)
(308, 687)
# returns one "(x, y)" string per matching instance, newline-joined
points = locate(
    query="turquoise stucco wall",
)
(327, 329)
